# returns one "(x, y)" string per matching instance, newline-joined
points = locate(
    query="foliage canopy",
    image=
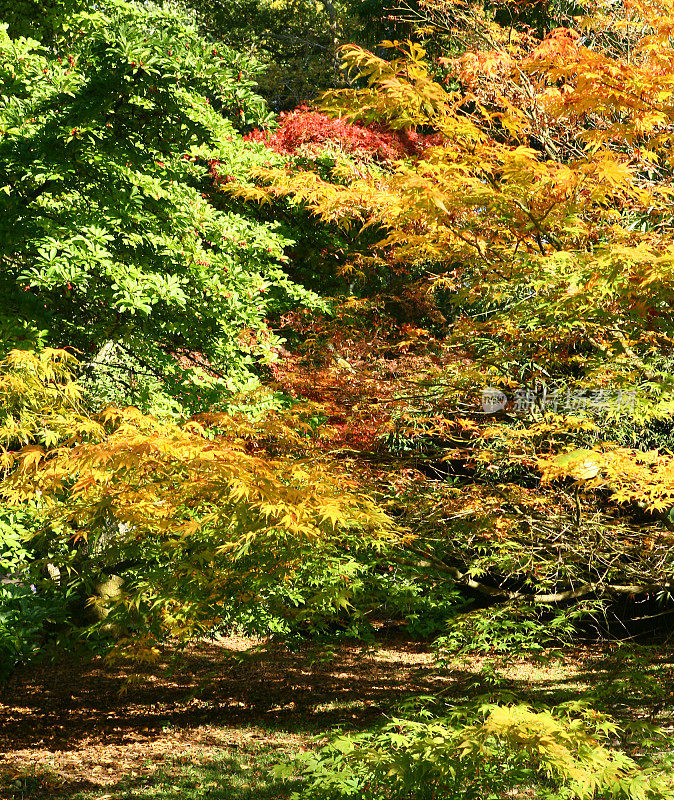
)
(112, 241)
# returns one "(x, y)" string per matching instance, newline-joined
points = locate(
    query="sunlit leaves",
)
(486, 749)
(111, 234)
(541, 218)
(186, 499)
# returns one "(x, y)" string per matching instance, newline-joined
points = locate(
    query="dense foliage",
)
(197, 522)
(112, 241)
(539, 227)
(404, 355)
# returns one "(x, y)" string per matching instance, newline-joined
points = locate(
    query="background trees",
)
(295, 40)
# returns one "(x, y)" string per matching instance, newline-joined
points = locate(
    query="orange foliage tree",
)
(541, 224)
(198, 519)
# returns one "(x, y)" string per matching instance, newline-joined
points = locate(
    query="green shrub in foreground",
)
(482, 752)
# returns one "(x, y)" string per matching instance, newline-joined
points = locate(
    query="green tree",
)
(113, 240)
(38, 19)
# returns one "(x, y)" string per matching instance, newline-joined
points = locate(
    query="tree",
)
(196, 522)
(296, 40)
(542, 225)
(39, 20)
(113, 241)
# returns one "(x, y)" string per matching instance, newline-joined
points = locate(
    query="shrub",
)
(487, 751)
(309, 133)
(26, 609)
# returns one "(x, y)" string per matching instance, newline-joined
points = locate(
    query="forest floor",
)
(212, 720)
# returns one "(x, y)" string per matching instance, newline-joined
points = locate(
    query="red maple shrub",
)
(308, 133)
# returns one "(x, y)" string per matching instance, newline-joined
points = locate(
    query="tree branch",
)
(598, 588)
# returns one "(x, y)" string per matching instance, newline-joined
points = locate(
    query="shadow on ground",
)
(307, 690)
(79, 726)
